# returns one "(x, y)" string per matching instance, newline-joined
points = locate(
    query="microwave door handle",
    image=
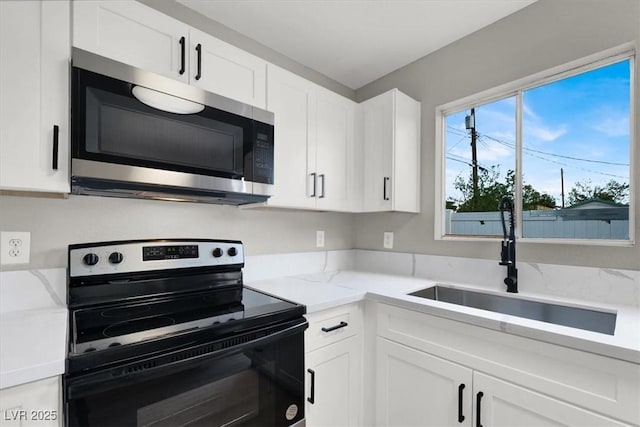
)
(199, 60)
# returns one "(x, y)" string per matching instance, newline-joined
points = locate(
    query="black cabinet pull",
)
(321, 196)
(56, 132)
(182, 55)
(312, 398)
(460, 415)
(385, 181)
(478, 407)
(333, 328)
(199, 51)
(314, 184)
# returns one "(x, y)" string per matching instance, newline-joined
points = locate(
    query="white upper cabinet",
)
(314, 136)
(34, 105)
(292, 99)
(219, 67)
(335, 133)
(391, 153)
(135, 34)
(130, 32)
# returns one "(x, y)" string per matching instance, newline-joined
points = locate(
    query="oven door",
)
(253, 379)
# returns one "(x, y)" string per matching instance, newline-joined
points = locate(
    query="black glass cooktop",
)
(113, 325)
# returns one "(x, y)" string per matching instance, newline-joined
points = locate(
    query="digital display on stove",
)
(155, 253)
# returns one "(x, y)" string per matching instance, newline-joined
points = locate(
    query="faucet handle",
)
(504, 255)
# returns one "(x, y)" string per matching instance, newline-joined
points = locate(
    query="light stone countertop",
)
(34, 318)
(321, 291)
(33, 325)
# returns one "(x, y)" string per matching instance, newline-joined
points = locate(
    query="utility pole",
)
(562, 185)
(470, 124)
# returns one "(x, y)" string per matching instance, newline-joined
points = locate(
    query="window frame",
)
(516, 89)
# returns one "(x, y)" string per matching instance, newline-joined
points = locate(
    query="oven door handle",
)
(78, 386)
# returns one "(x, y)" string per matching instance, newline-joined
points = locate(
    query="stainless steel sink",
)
(581, 318)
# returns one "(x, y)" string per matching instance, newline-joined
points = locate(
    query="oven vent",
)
(140, 367)
(193, 353)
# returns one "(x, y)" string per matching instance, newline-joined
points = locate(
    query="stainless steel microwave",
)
(138, 134)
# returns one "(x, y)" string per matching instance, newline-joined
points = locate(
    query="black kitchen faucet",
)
(508, 252)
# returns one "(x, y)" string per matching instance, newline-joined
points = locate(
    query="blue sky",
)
(585, 117)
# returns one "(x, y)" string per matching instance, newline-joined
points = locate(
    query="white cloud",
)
(613, 126)
(488, 153)
(528, 111)
(544, 133)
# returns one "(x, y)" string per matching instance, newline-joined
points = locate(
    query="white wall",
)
(55, 223)
(546, 34)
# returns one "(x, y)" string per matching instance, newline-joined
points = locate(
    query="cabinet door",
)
(334, 143)
(227, 70)
(377, 147)
(32, 404)
(336, 383)
(34, 82)
(508, 405)
(133, 33)
(292, 99)
(406, 155)
(417, 389)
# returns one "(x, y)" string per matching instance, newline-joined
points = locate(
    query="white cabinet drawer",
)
(333, 325)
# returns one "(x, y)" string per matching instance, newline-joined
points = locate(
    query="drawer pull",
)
(333, 328)
(460, 415)
(478, 407)
(312, 399)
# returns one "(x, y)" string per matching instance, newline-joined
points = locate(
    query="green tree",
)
(612, 191)
(491, 191)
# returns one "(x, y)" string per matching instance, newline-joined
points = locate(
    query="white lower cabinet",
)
(431, 371)
(416, 389)
(32, 404)
(332, 385)
(334, 368)
(500, 403)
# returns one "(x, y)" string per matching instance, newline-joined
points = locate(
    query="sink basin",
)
(581, 318)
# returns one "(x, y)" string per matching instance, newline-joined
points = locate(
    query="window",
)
(559, 145)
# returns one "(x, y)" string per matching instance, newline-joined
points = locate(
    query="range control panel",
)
(137, 256)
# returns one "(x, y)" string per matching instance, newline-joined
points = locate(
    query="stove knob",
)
(115, 258)
(217, 252)
(232, 251)
(90, 259)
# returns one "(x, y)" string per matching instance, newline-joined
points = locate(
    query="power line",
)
(562, 163)
(511, 145)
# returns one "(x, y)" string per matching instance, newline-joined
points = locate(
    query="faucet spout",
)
(508, 247)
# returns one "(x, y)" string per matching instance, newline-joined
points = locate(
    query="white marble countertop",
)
(321, 291)
(33, 325)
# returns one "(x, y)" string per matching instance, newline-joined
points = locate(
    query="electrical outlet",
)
(320, 239)
(388, 240)
(15, 247)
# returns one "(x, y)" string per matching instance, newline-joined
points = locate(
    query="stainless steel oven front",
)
(163, 333)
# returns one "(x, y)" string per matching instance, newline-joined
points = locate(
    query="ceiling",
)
(355, 41)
